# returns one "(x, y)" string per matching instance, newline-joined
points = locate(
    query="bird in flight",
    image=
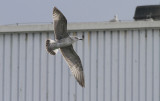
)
(63, 42)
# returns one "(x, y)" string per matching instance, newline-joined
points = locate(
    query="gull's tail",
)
(50, 48)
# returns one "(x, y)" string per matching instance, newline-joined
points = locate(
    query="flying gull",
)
(64, 42)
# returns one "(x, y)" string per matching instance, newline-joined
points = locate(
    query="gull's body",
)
(64, 43)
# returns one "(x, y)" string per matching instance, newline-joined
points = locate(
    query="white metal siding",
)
(119, 65)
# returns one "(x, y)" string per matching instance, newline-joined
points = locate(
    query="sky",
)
(40, 11)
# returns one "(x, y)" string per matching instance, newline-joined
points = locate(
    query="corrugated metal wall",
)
(119, 65)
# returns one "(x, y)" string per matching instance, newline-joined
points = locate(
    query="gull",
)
(115, 19)
(63, 42)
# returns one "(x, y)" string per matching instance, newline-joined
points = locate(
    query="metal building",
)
(121, 62)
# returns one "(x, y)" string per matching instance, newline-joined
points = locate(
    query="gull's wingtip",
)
(79, 77)
(54, 8)
(83, 84)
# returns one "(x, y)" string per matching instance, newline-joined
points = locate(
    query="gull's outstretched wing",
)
(74, 63)
(60, 24)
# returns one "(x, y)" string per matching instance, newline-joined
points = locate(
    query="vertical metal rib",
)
(3, 66)
(97, 62)
(146, 65)
(33, 37)
(40, 67)
(104, 60)
(118, 44)
(139, 65)
(18, 66)
(11, 66)
(90, 65)
(152, 64)
(132, 67)
(125, 50)
(111, 65)
(61, 78)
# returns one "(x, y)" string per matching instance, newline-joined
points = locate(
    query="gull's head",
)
(75, 38)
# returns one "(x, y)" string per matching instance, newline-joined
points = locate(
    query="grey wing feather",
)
(60, 24)
(74, 63)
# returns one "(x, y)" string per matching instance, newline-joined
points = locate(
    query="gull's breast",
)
(64, 42)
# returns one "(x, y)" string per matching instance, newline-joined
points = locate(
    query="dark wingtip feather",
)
(80, 79)
(78, 74)
(82, 83)
(56, 10)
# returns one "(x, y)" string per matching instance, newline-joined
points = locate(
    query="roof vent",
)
(147, 12)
